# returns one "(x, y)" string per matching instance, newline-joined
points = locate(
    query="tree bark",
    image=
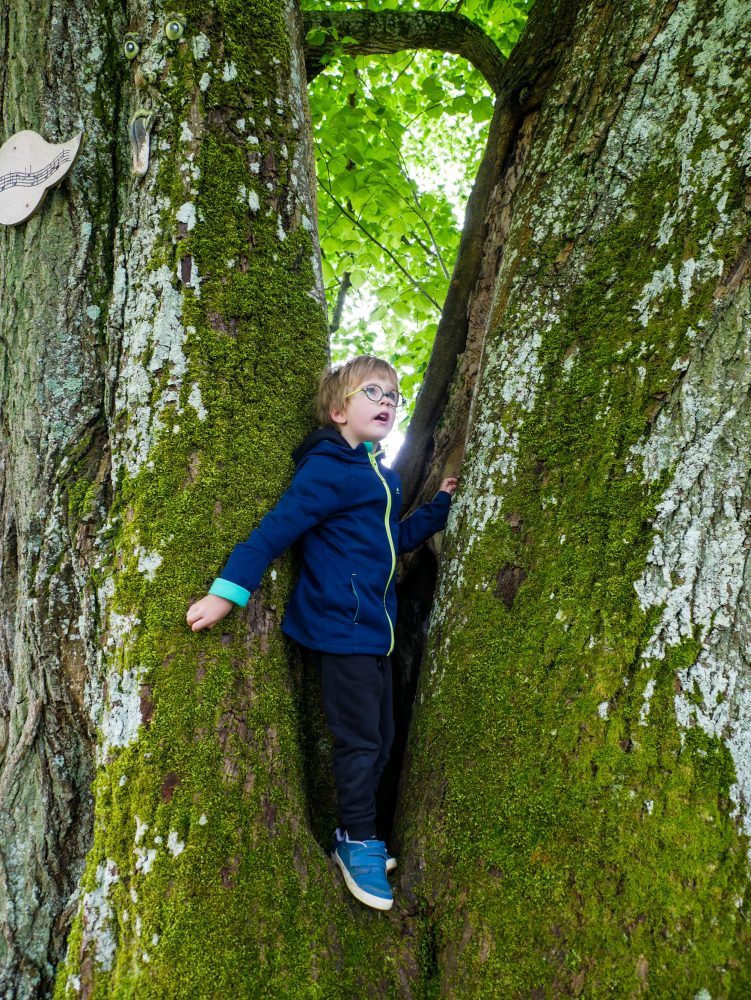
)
(574, 814)
(55, 64)
(574, 819)
(161, 339)
(388, 31)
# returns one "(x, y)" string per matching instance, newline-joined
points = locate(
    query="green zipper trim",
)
(391, 544)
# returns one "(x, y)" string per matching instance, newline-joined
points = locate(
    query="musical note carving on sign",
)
(29, 167)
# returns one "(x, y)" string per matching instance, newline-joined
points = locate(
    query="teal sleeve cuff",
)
(230, 591)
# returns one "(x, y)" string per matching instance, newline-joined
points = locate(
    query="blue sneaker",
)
(391, 862)
(363, 865)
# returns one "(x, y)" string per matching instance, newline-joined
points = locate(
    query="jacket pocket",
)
(357, 597)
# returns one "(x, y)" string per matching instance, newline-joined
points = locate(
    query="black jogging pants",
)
(358, 705)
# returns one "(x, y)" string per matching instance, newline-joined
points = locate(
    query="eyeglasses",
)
(375, 394)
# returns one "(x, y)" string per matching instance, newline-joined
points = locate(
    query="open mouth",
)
(382, 418)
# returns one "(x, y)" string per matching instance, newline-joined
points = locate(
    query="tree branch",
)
(344, 286)
(388, 31)
(413, 281)
(418, 209)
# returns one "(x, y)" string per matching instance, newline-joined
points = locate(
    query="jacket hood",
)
(326, 437)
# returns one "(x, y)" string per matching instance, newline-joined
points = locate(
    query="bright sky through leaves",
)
(398, 142)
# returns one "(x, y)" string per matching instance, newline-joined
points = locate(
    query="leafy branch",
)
(392, 257)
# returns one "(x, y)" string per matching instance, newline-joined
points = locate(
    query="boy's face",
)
(362, 419)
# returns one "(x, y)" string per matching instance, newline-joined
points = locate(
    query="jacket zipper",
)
(357, 597)
(377, 471)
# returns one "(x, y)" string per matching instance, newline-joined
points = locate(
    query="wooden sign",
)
(29, 167)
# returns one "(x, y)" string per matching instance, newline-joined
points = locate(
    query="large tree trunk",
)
(575, 816)
(574, 812)
(161, 338)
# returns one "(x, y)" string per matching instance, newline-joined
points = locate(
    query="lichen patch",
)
(99, 934)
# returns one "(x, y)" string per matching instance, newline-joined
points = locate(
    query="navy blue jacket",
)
(344, 504)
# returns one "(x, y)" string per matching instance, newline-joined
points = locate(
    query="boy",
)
(344, 504)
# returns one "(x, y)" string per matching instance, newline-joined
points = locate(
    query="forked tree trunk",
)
(574, 811)
(575, 817)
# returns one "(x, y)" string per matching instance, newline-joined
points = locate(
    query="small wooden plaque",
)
(29, 167)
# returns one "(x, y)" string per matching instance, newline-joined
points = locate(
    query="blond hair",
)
(337, 380)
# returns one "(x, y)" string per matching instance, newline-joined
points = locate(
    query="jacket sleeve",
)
(424, 522)
(312, 497)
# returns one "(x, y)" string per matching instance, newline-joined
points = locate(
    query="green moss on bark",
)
(585, 843)
(220, 888)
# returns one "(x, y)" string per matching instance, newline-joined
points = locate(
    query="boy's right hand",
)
(208, 611)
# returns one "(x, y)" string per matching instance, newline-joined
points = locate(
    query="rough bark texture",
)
(388, 31)
(204, 879)
(161, 339)
(575, 817)
(55, 65)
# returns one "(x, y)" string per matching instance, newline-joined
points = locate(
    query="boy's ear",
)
(338, 416)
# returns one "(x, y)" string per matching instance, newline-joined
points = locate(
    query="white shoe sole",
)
(390, 866)
(376, 902)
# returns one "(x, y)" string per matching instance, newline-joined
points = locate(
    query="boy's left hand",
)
(448, 485)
